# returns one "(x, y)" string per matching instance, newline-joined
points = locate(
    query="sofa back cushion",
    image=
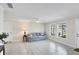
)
(37, 34)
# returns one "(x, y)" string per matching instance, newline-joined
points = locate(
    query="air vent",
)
(10, 5)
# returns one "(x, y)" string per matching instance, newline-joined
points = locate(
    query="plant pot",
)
(1, 43)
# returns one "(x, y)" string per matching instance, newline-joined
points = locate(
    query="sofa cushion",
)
(37, 36)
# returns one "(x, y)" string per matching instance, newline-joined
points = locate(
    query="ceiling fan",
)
(10, 5)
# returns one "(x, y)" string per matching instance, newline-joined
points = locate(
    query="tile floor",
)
(44, 47)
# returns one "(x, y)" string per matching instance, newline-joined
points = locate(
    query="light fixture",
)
(37, 21)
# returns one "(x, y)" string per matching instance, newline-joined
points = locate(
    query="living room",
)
(47, 26)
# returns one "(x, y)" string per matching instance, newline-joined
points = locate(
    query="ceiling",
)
(44, 12)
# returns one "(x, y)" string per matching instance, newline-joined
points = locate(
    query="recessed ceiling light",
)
(37, 21)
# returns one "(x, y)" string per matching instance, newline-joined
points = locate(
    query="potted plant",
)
(3, 36)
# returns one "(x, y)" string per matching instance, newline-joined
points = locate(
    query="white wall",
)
(9, 29)
(77, 33)
(1, 19)
(15, 28)
(70, 31)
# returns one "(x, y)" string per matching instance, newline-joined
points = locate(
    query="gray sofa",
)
(36, 37)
